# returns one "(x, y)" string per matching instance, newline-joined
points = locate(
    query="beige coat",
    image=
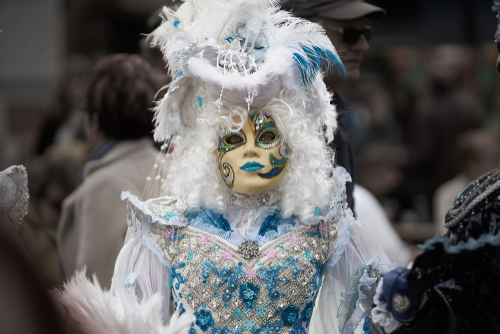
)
(93, 222)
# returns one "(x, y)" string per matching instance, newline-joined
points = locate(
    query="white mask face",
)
(253, 159)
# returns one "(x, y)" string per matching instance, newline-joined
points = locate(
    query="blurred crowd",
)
(424, 123)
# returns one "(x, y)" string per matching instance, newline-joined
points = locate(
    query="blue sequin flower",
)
(204, 319)
(261, 311)
(290, 315)
(278, 326)
(249, 293)
(307, 312)
(226, 330)
(271, 276)
(273, 294)
(298, 329)
(247, 324)
(238, 314)
(268, 328)
(227, 297)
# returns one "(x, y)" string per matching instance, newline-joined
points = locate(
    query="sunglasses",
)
(351, 35)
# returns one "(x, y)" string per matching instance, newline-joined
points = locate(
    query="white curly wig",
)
(231, 58)
(194, 176)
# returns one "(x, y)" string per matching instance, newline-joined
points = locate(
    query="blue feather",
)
(315, 61)
(176, 23)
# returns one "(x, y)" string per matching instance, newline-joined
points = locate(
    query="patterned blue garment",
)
(262, 283)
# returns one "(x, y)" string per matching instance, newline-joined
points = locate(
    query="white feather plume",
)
(103, 312)
(227, 15)
(299, 35)
(168, 112)
(292, 52)
(169, 37)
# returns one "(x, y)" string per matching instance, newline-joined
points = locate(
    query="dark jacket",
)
(342, 148)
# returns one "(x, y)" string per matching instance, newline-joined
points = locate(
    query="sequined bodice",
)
(246, 288)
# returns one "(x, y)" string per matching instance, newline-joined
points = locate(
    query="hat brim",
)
(353, 10)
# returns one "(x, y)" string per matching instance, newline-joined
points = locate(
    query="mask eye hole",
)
(268, 137)
(233, 139)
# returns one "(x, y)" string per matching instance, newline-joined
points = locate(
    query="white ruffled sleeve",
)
(349, 285)
(142, 265)
(139, 298)
(139, 269)
(350, 276)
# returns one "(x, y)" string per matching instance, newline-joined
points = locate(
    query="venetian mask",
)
(253, 159)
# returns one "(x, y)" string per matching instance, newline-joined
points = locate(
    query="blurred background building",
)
(428, 79)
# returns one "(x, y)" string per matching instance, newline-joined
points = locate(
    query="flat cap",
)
(333, 9)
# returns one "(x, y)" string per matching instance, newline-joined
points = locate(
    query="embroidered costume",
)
(13, 201)
(453, 284)
(245, 227)
(266, 281)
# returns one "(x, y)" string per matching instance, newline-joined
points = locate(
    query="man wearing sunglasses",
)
(345, 25)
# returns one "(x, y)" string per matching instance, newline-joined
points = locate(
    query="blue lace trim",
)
(344, 234)
(367, 326)
(279, 232)
(361, 286)
(229, 236)
(271, 223)
(209, 217)
(272, 227)
(269, 226)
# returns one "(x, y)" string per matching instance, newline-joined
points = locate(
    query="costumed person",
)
(452, 286)
(245, 217)
(26, 306)
(13, 201)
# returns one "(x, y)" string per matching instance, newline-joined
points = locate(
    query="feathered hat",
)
(244, 52)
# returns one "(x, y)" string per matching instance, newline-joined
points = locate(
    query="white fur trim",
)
(100, 312)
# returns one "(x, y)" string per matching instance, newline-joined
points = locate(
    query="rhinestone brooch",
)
(248, 250)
